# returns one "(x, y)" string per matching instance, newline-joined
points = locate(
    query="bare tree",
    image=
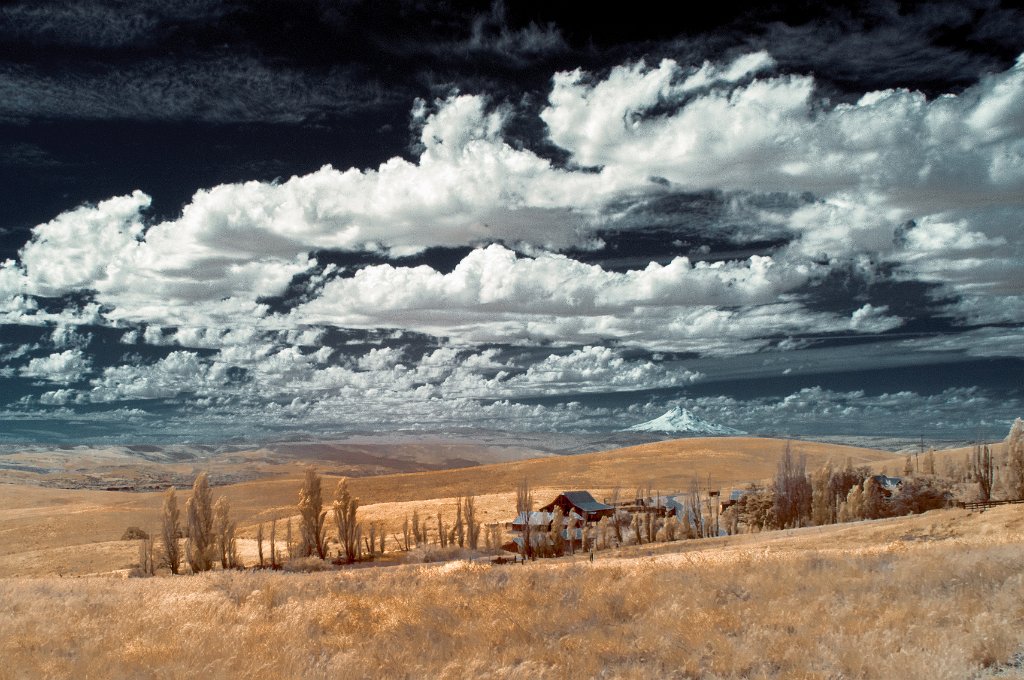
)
(524, 505)
(616, 520)
(636, 524)
(442, 531)
(695, 512)
(345, 507)
(792, 491)
(224, 530)
(171, 527)
(472, 525)
(405, 534)
(200, 548)
(418, 535)
(147, 564)
(288, 541)
(259, 544)
(273, 543)
(312, 516)
(983, 470)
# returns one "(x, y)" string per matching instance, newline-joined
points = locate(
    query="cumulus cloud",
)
(177, 373)
(493, 295)
(68, 366)
(879, 163)
(773, 133)
(927, 189)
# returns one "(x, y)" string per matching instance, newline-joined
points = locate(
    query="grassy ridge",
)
(935, 596)
(55, 531)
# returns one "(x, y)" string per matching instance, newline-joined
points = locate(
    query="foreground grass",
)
(936, 596)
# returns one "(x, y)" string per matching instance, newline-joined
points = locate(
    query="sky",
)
(226, 220)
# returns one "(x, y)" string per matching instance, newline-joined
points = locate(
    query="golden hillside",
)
(935, 596)
(51, 531)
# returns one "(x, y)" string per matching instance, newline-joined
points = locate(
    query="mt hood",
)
(680, 420)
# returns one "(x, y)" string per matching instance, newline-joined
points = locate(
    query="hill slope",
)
(49, 531)
(933, 596)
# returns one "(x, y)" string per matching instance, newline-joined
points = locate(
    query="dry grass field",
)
(934, 596)
(76, 532)
(939, 595)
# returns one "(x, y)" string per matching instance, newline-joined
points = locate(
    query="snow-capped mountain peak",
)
(679, 419)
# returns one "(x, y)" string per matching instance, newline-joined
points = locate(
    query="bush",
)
(134, 534)
(921, 495)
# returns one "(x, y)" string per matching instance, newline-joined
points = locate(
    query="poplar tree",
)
(1015, 459)
(200, 547)
(312, 516)
(171, 527)
(345, 507)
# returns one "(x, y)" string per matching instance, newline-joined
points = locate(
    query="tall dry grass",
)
(937, 596)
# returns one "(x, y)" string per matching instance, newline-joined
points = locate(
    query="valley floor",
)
(939, 595)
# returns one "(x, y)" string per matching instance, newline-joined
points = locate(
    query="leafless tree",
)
(147, 564)
(419, 536)
(259, 544)
(273, 544)
(442, 531)
(472, 525)
(616, 520)
(524, 505)
(983, 470)
(406, 534)
(289, 543)
(695, 509)
(792, 491)
(460, 525)
(224, 530)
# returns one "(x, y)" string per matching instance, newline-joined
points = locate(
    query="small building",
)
(888, 485)
(580, 503)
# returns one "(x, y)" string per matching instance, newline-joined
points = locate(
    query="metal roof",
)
(584, 501)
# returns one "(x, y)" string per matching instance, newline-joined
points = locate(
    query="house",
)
(540, 524)
(888, 485)
(580, 503)
(734, 497)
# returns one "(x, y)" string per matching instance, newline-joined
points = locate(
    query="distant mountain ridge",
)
(680, 420)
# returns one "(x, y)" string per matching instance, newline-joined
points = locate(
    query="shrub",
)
(224, 530)
(134, 534)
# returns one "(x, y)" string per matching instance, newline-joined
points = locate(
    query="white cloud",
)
(68, 366)
(177, 373)
(495, 296)
(888, 158)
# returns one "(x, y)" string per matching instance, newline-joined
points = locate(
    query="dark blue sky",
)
(250, 220)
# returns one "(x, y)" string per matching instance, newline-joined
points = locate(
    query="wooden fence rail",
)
(981, 505)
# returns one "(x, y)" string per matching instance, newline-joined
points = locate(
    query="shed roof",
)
(584, 501)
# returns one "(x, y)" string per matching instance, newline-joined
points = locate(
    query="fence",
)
(982, 505)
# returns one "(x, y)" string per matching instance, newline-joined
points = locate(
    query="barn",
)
(582, 504)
